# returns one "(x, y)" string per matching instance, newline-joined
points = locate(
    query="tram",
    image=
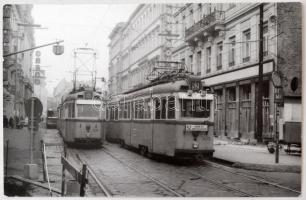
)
(51, 120)
(173, 117)
(80, 118)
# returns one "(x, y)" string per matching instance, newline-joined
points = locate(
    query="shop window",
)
(231, 94)
(245, 91)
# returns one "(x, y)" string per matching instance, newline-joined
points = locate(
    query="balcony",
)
(209, 23)
(246, 59)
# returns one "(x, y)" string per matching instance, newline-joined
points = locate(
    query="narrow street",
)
(126, 173)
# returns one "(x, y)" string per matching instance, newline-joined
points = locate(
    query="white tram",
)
(80, 118)
(173, 118)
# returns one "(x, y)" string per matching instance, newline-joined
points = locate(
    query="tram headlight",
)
(195, 145)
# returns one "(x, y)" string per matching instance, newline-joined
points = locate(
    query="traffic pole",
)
(277, 136)
(31, 131)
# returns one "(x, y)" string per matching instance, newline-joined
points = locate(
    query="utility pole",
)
(260, 75)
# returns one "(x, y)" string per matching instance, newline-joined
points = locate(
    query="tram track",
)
(244, 192)
(158, 182)
(212, 181)
(250, 177)
(96, 183)
(102, 186)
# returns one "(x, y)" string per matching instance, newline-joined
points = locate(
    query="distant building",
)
(220, 43)
(136, 44)
(17, 83)
(62, 88)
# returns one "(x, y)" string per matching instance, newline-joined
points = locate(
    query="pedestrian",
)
(17, 122)
(5, 121)
(11, 122)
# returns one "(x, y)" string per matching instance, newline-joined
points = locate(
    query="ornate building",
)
(17, 85)
(220, 42)
(136, 44)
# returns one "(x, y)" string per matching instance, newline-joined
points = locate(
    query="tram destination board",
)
(191, 127)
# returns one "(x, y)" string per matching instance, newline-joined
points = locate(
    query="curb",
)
(268, 168)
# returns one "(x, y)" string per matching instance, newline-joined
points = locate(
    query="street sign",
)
(38, 53)
(278, 95)
(276, 79)
(38, 108)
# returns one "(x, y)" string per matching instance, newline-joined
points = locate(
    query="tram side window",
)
(107, 113)
(111, 113)
(129, 110)
(125, 111)
(121, 110)
(147, 109)
(171, 107)
(157, 108)
(163, 108)
(116, 112)
(195, 108)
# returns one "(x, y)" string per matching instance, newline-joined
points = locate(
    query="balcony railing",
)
(246, 59)
(206, 22)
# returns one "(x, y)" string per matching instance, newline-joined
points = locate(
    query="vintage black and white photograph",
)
(152, 99)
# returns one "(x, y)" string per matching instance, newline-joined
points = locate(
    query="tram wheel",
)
(122, 143)
(271, 149)
(143, 150)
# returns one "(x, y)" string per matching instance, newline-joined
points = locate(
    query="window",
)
(163, 108)
(219, 55)
(171, 107)
(231, 59)
(231, 5)
(199, 57)
(208, 59)
(265, 39)
(191, 21)
(246, 50)
(87, 110)
(199, 11)
(147, 109)
(231, 94)
(191, 62)
(195, 108)
(157, 108)
(183, 26)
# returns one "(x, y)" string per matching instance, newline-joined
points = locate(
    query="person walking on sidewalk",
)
(5, 121)
(11, 122)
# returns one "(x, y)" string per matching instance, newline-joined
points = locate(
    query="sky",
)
(79, 25)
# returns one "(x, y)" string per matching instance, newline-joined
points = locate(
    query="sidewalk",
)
(19, 155)
(255, 157)
(19, 150)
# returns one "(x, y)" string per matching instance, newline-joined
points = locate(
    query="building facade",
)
(220, 43)
(136, 44)
(17, 84)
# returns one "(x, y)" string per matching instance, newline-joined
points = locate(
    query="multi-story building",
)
(220, 42)
(17, 35)
(62, 88)
(136, 44)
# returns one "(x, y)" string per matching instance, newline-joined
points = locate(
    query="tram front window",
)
(196, 108)
(88, 110)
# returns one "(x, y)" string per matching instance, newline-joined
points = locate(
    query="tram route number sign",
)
(38, 108)
(198, 127)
